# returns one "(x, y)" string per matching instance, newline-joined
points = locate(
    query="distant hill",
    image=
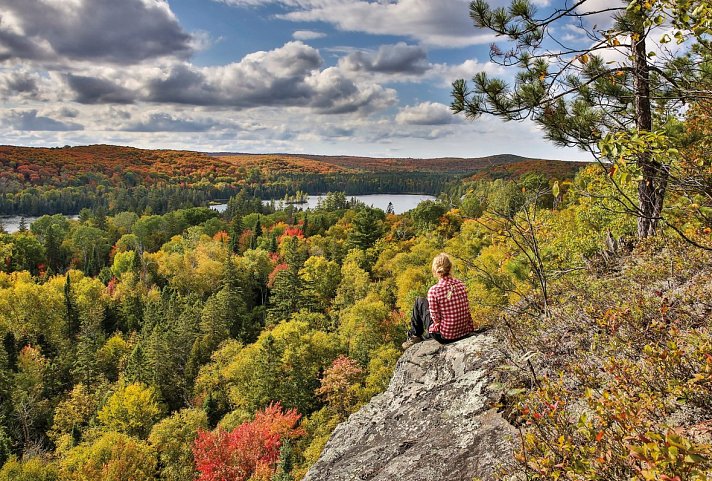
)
(551, 168)
(22, 167)
(74, 166)
(502, 165)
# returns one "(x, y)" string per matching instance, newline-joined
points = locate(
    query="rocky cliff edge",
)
(434, 422)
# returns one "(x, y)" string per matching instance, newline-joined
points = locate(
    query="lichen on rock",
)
(436, 421)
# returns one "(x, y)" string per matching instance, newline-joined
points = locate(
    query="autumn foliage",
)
(126, 166)
(97, 163)
(340, 383)
(250, 451)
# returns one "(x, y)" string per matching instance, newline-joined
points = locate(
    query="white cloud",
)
(427, 113)
(287, 76)
(165, 122)
(442, 23)
(466, 70)
(307, 35)
(389, 59)
(277, 129)
(29, 120)
(604, 19)
(118, 32)
(23, 84)
(337, 94)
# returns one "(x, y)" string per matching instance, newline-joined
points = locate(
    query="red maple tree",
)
(250, 451)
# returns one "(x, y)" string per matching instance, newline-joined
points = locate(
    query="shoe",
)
(412, 340)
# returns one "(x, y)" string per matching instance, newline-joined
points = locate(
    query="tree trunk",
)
(652, 187)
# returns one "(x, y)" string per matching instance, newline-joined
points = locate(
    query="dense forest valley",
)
(194, 344)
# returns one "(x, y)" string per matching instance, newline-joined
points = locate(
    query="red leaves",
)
(292, 232)
(221, 236)
(111, 286)
(338, 384)
(273, 275)
(249, 451)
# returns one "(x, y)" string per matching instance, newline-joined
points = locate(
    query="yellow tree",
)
(133, 409)
(112, 457)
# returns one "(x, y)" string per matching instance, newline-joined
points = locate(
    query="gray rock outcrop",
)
(434, 422)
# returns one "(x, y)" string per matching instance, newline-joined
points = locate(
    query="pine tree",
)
(22, 227)
(580, 99)
(168, 347)
(132, 310)
(5, 444)
(136, 365)
(6, 383)
(53, 250)
(100, 217)
(89, 340)
(256, 234)
(212, 410)
(286, 296)
(268, 376)
(305, 225)
(285, 463)
(367, 228)
(237, 229)
(234, 305)
(137, 264)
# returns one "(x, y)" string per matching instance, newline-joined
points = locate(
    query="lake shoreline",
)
(401, 203)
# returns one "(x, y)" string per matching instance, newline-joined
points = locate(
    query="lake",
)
(401, 202)
(11, 223)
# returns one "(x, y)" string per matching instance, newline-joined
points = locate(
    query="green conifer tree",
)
(71, 310)
(137, 264)
(256, 234)
(285, 463)
(305, 225)
(235, 232)
(212, 410)
(85, 368)
(136, 365)
(367, 228)
(286, 296)
(53, 249)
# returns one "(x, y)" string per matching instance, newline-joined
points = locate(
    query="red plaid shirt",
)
(450, 309)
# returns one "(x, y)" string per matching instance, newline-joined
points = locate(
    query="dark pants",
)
(420, 322)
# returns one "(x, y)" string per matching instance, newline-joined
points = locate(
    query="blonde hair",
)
(442, 264)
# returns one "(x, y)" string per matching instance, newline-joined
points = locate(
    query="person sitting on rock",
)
(445, 314)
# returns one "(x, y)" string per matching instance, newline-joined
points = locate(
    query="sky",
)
(332, 77)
